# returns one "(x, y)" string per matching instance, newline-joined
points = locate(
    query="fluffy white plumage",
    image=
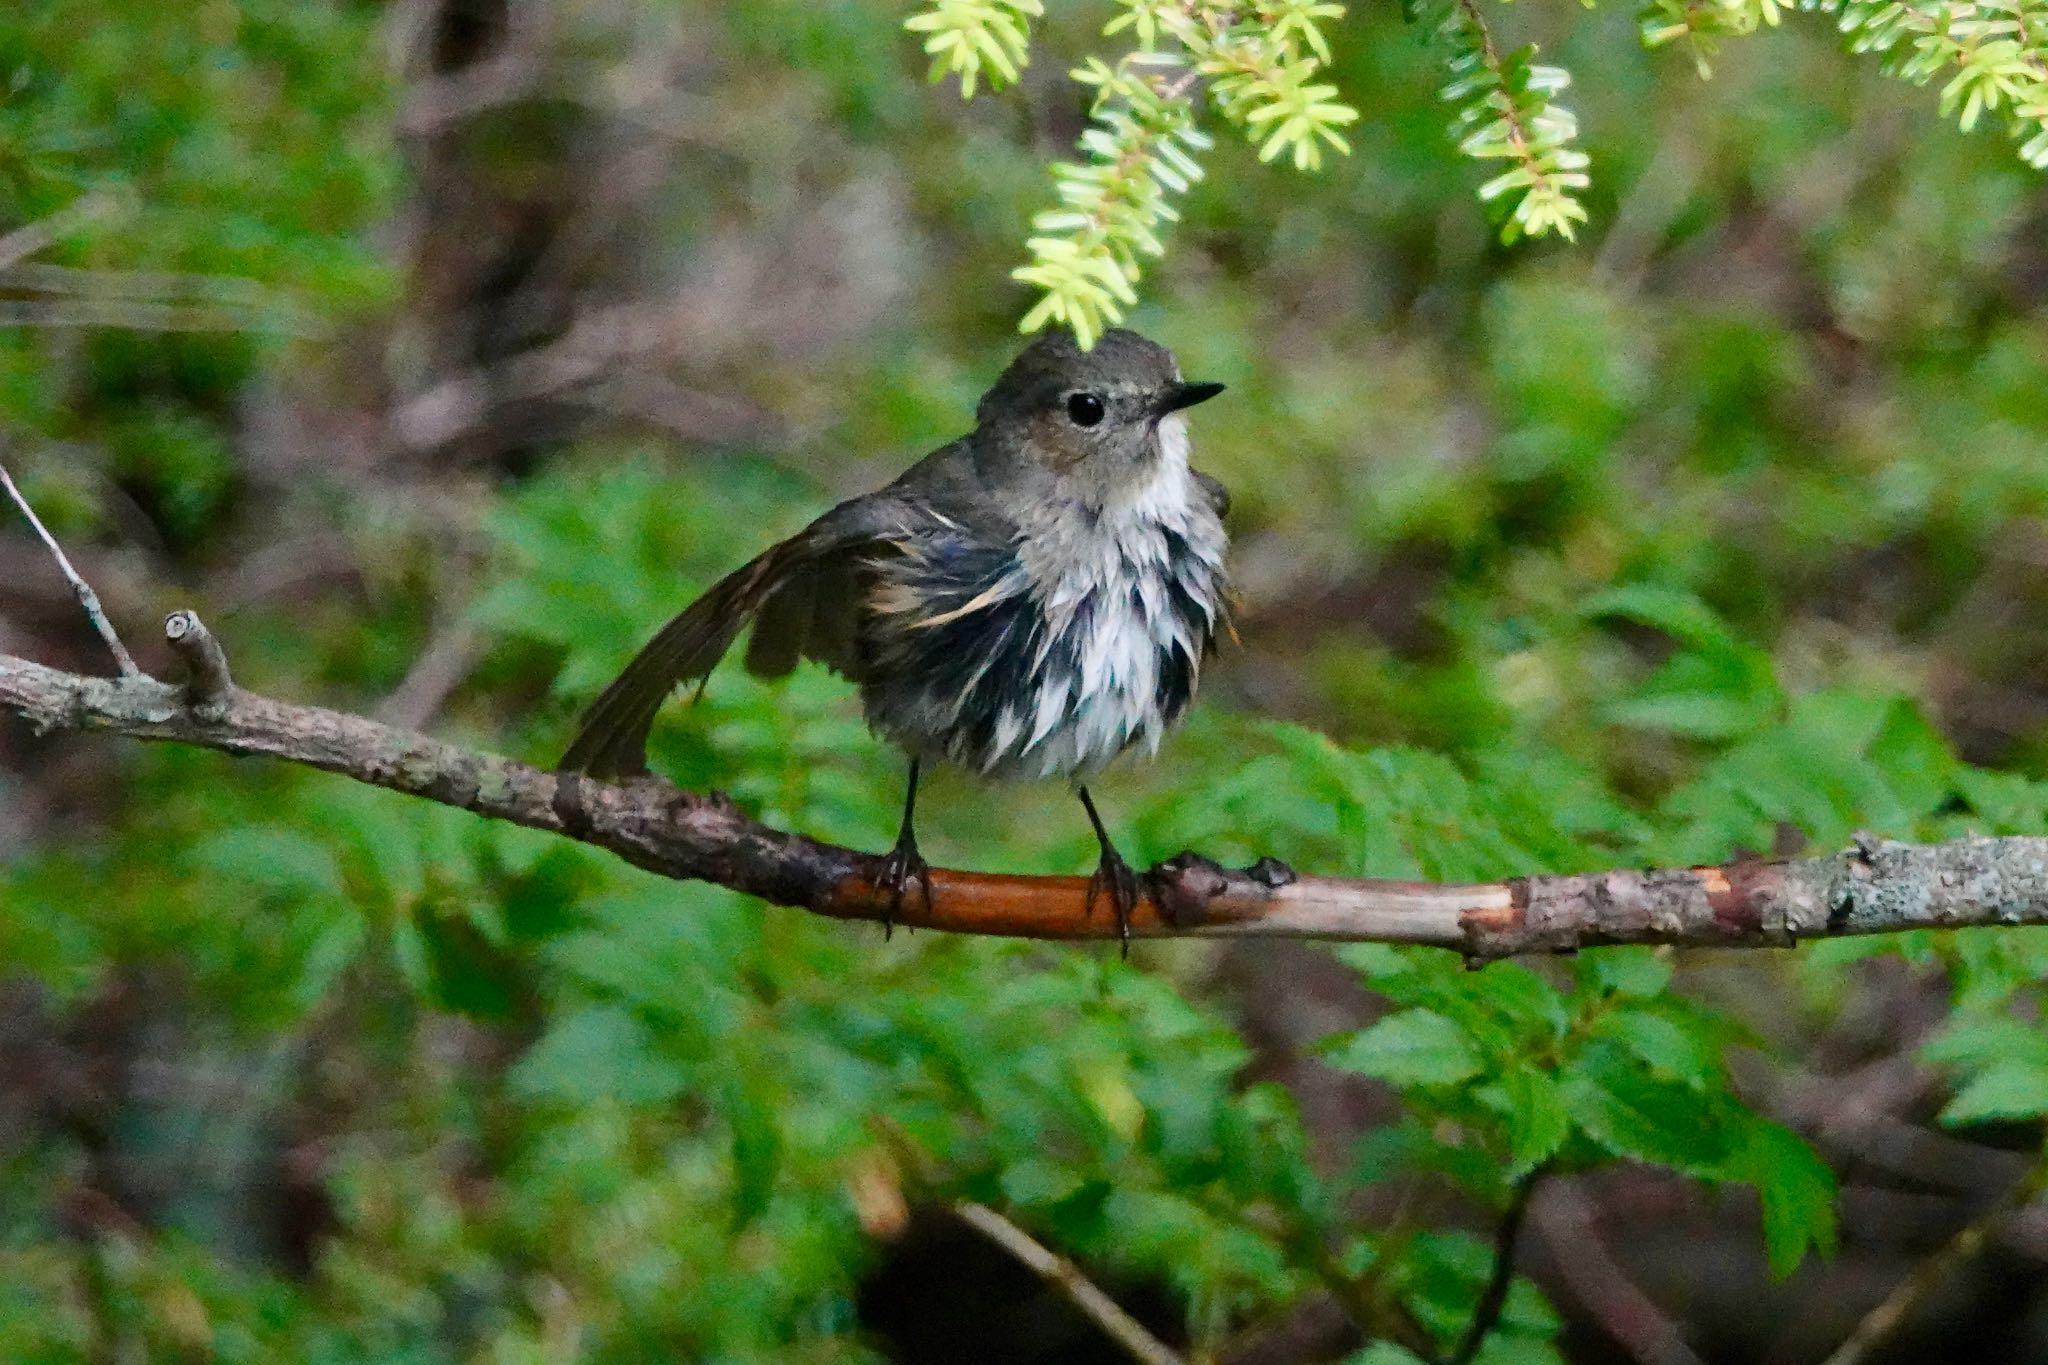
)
(1106, 585)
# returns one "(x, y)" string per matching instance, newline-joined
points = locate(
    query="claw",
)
(1113, 877)
(903, 864)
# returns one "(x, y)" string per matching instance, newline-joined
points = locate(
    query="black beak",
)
(1178, 396)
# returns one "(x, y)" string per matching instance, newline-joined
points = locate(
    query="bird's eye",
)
(1085, 408)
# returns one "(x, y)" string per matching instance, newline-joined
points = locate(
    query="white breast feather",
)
(1077, 722)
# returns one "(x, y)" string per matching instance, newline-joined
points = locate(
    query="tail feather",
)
(612, 741)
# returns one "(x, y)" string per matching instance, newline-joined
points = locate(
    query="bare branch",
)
(1494, 1297)
(28, 239)
(87, 598)
(1875, 887)
(143, 315)
(230, 291)
(448, 659)
(1565, 1219)
(1067, 1279)
(1932, 1273)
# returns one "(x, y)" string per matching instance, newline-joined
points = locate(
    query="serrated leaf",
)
(1413, 1047)
(1620, 1105)
(1798, 1193)
(1537, 1121)
(1666, 1046)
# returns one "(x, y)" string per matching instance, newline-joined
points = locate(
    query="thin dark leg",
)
(906, 833)
(1113, 876)
(904, 862)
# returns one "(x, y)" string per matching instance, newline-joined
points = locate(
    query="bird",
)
(1029, 601)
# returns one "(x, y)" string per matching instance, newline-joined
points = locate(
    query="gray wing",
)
(815, 611)
(804, 595)
(814, 614)
(1219, 496)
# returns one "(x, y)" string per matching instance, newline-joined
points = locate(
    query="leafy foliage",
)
(1085, 256)
(976, 40)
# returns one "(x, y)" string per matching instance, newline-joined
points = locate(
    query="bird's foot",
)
(903, 865)
(1114, 878)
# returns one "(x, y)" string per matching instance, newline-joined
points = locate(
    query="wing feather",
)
(793, 587)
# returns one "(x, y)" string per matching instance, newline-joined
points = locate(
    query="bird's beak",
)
(1178, 396)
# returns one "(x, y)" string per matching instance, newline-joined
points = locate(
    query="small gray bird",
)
(1029, 601)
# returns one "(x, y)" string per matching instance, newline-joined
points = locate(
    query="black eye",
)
(1085, 408)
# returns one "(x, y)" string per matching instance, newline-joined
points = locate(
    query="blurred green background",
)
(437, 350)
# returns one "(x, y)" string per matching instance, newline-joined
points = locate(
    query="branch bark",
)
(1875, 887)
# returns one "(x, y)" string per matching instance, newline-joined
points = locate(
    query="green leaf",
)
(1384, 1353)
(2011, 1089)
(1620, 1105)
(1036, 1181)
(1446, 1272)
(1639, 972)
(1695, 714)
(1536, 1119)
(756, 1152)
(284, 861)
(464, 971)
(1413, 1047)
(1681, 615)
(1976, 1041)
(1798, 1193)
(597, 1053)
(1668, 1047)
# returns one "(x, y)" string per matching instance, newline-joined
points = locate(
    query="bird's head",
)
(1102, 419)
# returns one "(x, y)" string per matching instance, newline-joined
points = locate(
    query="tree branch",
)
(1875, 887)
(1494, 1296)
(87, 598)
(1070, 1284)
(1913, 1292)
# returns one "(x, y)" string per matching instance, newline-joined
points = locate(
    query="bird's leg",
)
(1113, 876)
(904, 861)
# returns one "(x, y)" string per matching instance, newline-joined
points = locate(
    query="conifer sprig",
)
(1993, 52)
(1261, 66)
(977, 40)
(1702, 24)
(1507, 111)
(1259, 62)
(1139, 151)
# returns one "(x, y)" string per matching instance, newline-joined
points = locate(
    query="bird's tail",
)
(613, 739)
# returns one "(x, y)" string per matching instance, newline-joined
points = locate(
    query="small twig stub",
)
(207, 680)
